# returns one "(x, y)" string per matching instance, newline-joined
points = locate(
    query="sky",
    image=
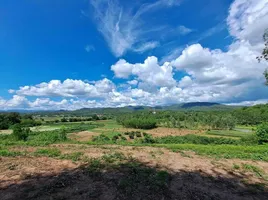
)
(69, 54)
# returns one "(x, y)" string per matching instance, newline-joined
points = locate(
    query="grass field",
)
(154, 164)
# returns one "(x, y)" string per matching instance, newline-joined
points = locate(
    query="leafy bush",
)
(30, 123)
(262, 133)
(250, 139)
(148, 138)
(49, 137)
(20, 133)
(139, 123)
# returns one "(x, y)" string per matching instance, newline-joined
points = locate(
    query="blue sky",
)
(69, 54)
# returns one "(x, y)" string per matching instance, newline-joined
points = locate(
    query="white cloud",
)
(122, 28)
(133, 82)
(249, 103)
(89, 48)
(149, 72)
(146, 46)
(210, 74)
(68, 88)
(211, 31)
(184, 30)
(247, 20)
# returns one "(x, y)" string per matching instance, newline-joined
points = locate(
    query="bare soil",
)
(191, 176)
(83, 135)
(162, 131)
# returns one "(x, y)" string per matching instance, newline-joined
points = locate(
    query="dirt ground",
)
(191, 176)
(83, 135)
(161, 131)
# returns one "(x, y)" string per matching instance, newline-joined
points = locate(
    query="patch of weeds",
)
(111, 158)
(75, 156)
(183, 154)
(95, 166)
(7, 153)
(53, 152)
(236, 166)
(152, 153)
(251, 168)
(141, 180)
(12, 166)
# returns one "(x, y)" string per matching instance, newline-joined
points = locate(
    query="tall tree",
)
(264, 55)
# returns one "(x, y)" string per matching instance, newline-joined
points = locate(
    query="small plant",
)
(123, 138)
(138, 134)
(236, 166)
(75, 156)
(131, 137)
(256, 170)
(115, 138)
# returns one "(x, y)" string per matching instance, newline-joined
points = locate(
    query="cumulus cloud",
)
(68, 88)
(209, 74)
(149, 72)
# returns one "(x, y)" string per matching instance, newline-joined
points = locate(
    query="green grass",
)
(256, 170)
(231, 133)
(109, 124)
(258, 152)
(245, 127)
(52, 152)
(74, 156)
(7, 153)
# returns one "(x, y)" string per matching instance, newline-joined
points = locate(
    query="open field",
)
(104, 160)
(120, 172)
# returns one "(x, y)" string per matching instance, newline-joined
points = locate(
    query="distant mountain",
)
(194, 106)
(200, 104)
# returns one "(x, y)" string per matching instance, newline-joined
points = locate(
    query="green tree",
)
(262, 133)
(20, 133)
(264, 55)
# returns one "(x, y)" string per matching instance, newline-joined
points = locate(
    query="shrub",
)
(49, 137)
(139, 123)
(131, 136)
(20, 133)
(116, 137)
(123, 138)
(4, 125)
(101, 138)
(262, 133)
(148, 138)
(138, 134)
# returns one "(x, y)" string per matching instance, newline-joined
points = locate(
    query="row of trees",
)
(139, 123)
(7, 120)
(199, 119)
